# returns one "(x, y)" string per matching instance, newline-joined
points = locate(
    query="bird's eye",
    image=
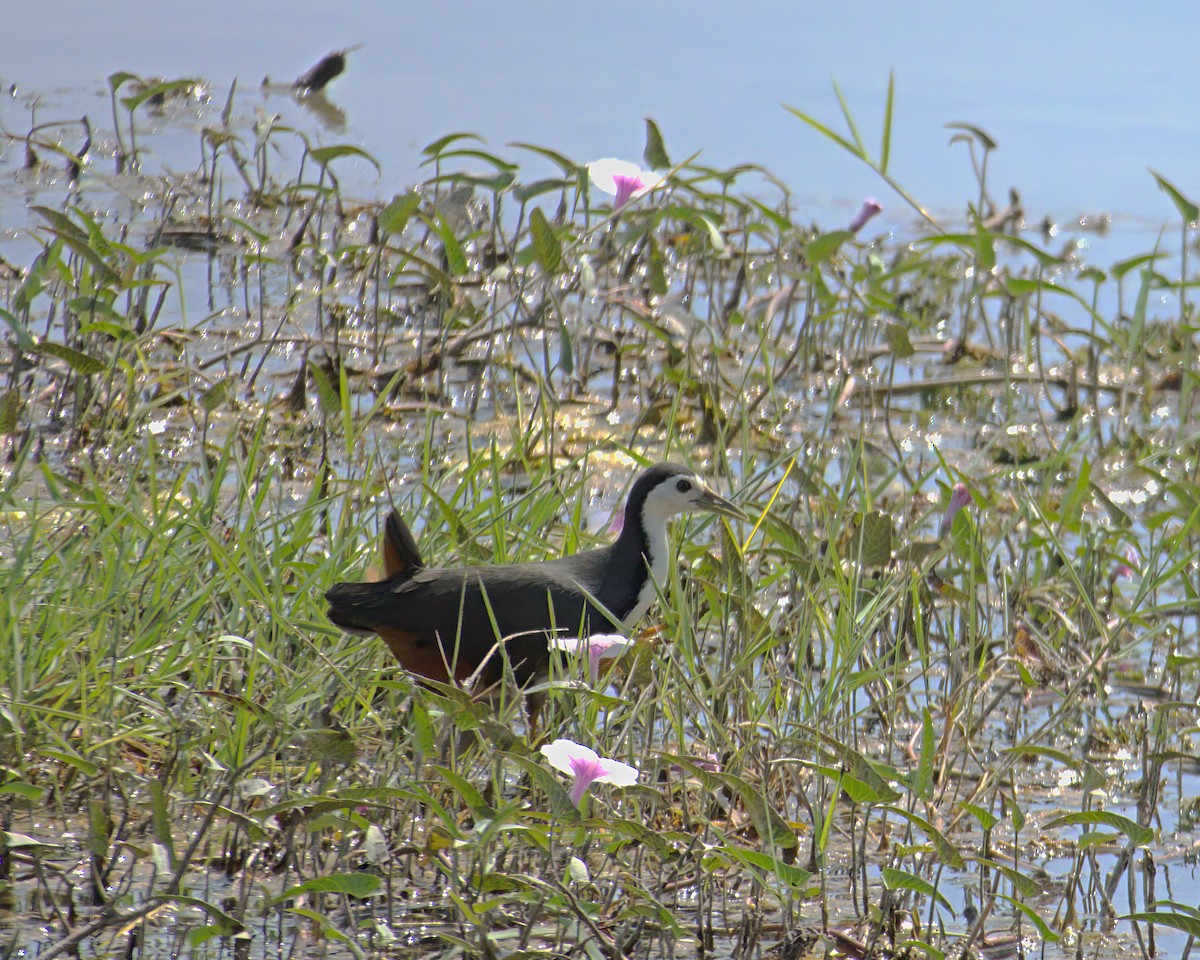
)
(683, 486)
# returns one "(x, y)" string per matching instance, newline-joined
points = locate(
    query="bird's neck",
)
(643, 545)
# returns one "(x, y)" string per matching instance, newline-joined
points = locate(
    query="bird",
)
(448, 624)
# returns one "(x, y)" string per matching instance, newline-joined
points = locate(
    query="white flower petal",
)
(560, 753)
(603, 171)
(618, 773)
(609, 645)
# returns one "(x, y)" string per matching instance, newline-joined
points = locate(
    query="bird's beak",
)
(715, 503)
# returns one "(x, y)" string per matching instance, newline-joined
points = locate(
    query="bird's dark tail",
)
(400, 551)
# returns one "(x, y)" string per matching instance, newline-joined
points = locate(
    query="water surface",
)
(1081, 101)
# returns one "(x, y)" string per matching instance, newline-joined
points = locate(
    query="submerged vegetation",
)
(861, 724)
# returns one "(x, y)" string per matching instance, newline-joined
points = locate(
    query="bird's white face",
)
(679, 494)
(685, 493)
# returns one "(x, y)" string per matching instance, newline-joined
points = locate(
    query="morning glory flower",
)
(960, 496)
(599, 646)
(622, 180)
(587, 767)
(870, 207)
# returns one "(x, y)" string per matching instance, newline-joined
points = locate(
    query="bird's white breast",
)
(658, 551)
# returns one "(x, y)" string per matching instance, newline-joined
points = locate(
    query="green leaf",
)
(99, 829)
(859, 767)
(329, 929)
(771, 827)
(78, 240)
(81, 363)
(898, 342)
(1044, 257)
(1138, 835)
(25, 339)
(947, 852)
(358, 885)
(560, 800)
(885, 144)
(921, 779)
(154, 90)
(326, 155)
(1181, 917)
(119, 79)
(435, 149)
(569, 167)
(471, 796)
(858, 791)
(490, 158)
(394, 217)
(1017, 814)
(10, 418)
(546, 246)
(1043, 928)
(905, 948)
(1049, 753)
(986, 818)
(823, 246)
(707, 221)
(1188, 210)
(530, 191)
(62, 225)
(421, 729)
(1122, 267)
(215, 395)
(656, 274)
(1072, 505)
(160, 819)
(977, 133)
(82, 764)
(895, 879)
(19, 788)
(456, 257)
(110, 328)
(793, 876)
(871, 546)
(1025, 886)
(225, 924)
(328, 398)
(824, 130)
(860, 148)
(655, 153)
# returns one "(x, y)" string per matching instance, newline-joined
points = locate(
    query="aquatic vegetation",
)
(217, 383)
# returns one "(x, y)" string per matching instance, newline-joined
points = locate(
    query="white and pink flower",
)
(586, 767)
(598, 647)
(622, 180)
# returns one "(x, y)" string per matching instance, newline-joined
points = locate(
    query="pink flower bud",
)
(870, 208)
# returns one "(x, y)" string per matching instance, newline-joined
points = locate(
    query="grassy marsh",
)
(217, 382)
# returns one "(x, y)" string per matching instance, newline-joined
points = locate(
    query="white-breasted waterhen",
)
(446, 623)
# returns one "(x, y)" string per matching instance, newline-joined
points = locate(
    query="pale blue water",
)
(1082, 99)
